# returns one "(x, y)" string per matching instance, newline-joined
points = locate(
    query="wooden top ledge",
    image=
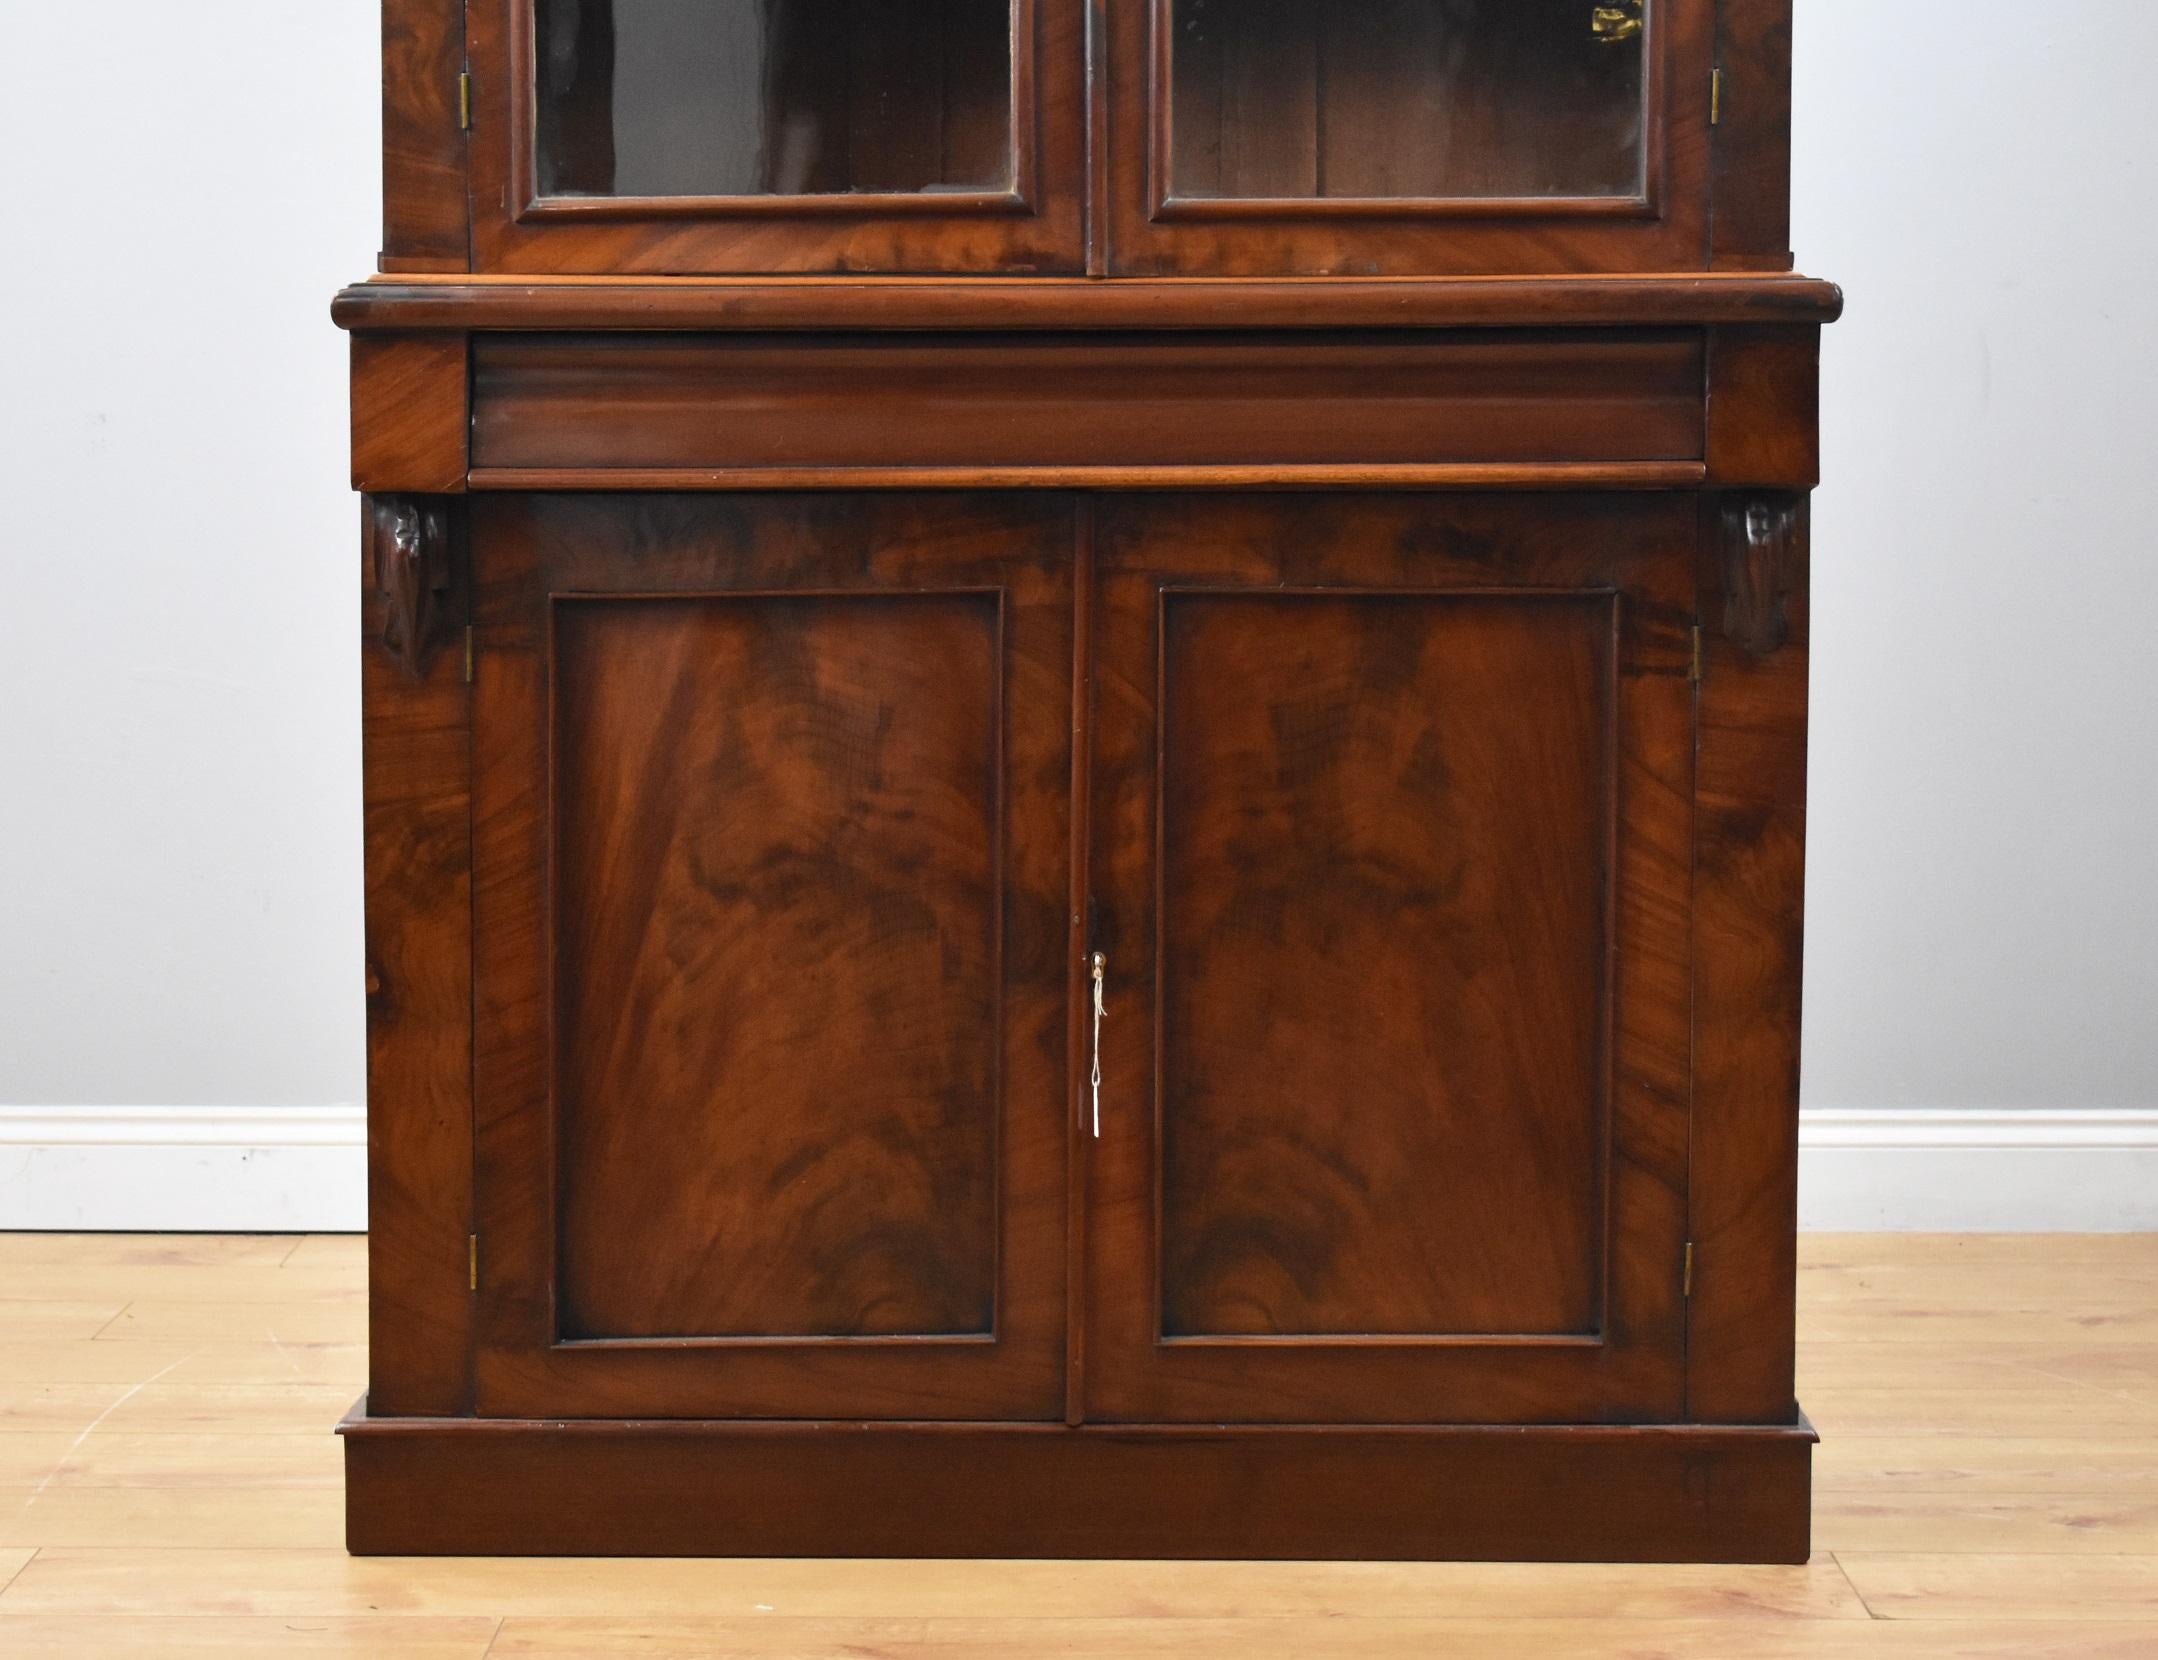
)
(409, 302)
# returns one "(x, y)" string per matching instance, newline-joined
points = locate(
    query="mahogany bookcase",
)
(1085, 779)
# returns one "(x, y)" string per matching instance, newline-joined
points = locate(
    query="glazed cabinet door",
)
(694, 136)
(1390, 830)
(771, 935)
(1409, 137)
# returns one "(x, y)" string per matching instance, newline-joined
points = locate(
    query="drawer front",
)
(738, 404)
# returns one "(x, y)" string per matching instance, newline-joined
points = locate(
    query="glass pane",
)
(1392, 98)
(772, 97)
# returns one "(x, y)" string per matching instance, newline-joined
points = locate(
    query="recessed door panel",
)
(1385, 835)
(776, 924)
(1389, 848)
(772, 835)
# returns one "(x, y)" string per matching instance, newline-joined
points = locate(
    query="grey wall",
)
(179, 767)
(1984, 858)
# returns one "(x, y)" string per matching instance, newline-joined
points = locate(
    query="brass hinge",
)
(1693, 671)
(472, 1260)
(464, 101)
(1687, 1288)
(469, 654)
(1715, 98)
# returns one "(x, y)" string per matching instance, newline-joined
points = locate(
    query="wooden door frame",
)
(1639, 551)
(1035, 226)
(428, 206)
(1665, 228)
(531, 553)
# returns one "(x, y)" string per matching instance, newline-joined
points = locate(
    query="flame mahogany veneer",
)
(805, 636)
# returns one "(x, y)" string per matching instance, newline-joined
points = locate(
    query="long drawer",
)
(881, 403)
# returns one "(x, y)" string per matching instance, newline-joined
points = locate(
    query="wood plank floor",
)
(1987, 1486)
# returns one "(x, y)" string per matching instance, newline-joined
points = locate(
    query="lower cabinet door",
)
(1390, 843)
(772, 931)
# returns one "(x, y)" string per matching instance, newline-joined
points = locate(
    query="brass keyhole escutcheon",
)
(1614, 23)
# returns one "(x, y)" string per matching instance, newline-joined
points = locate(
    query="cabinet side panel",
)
(419, 1010)
(1749, 910)
(424, 203)
(1752, 138)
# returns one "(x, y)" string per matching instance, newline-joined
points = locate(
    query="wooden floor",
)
(1987, 1486)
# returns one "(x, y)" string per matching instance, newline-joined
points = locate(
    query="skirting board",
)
(184, 1169)
(304, 1169)
(1993, 1170)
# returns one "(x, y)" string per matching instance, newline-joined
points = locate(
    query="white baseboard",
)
(1986, 1170)
(184, 1169)
(304, 1169)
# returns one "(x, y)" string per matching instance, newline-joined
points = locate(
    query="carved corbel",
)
(412, 574)
(1760, 544)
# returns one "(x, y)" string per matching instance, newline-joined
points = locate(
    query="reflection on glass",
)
(772, 97)
(1399, 98)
